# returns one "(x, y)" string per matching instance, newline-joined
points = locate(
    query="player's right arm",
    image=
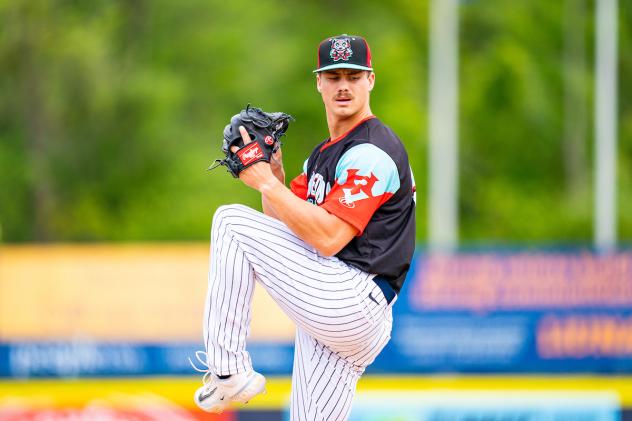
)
(326, 232)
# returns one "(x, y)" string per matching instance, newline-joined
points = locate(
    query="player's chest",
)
(321, 176)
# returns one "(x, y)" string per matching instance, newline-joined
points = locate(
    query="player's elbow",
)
(327, 250)
(332, 235)
(330, 245)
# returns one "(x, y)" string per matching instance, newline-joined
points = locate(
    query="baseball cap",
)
(344, 52)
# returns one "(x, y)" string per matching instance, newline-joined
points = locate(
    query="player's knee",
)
(224, 213)
(229, 210)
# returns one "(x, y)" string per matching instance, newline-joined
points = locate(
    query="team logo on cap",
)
(340, 49)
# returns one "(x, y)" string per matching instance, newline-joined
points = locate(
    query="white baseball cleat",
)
(217, 394)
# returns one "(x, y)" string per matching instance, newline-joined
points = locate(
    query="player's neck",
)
(338, 127)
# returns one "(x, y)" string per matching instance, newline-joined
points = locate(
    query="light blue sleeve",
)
(368, 159)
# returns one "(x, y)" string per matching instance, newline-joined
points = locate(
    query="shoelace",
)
(205, 370)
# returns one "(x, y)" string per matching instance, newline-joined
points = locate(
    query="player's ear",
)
(318, 82)
(371, 77)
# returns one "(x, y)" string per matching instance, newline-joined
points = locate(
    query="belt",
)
(386, 288)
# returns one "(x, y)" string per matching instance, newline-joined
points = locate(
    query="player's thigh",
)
(316, 290)
(324, 296)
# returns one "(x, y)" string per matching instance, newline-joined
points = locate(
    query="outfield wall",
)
(493, 334)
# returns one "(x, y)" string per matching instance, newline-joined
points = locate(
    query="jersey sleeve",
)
(299, 184)
(366, 177)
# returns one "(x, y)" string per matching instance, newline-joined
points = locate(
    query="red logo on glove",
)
(250, 153)
(269, 140)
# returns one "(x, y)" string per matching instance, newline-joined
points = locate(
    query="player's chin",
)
(344, 110)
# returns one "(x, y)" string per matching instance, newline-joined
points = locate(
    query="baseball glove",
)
(264, 129)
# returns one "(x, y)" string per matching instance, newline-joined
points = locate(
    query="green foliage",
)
(513, 180)
(112, 110)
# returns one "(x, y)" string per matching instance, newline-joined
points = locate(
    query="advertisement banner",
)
(514, 312)
(491, 312)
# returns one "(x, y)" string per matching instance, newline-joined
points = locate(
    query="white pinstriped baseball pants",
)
(340, 330)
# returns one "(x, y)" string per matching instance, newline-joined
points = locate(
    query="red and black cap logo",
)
(344, 52)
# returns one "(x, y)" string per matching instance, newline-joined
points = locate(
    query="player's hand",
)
(257, 175)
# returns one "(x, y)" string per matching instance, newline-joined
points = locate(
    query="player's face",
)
(345, 92)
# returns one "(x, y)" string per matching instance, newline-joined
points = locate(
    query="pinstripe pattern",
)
(340, 330)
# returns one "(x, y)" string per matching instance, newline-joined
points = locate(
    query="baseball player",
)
(332, 251)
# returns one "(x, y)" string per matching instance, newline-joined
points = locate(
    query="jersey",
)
(364, 178)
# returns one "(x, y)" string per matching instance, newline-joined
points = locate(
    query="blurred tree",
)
(84, 113)
(112, 110)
